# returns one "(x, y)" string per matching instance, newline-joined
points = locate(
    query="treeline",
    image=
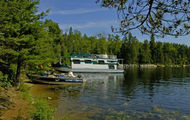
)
(75, 42)
(30, 44)
(135, 52)
(129, 48)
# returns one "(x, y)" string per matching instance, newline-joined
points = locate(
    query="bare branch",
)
(164, 17)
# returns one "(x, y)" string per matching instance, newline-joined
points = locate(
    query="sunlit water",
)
(162, 93)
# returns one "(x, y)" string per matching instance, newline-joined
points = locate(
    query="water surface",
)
(161, 93)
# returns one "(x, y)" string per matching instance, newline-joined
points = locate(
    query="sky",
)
(91, 19)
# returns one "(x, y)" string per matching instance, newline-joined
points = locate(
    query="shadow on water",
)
(156, 82)
(153, 77)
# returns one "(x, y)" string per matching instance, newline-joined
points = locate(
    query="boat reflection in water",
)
(84, 101)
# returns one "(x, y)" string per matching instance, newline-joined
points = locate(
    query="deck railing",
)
(104, 56)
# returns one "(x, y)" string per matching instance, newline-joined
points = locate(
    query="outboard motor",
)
(79, 76)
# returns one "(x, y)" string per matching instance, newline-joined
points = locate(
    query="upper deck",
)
(95, 56)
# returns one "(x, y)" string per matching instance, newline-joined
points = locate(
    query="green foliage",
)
(23, 40)
(118, 116)
(4, 82)
(153, 49)
(19, 117)
(145, 53)
(135, 52)
(23, 88)
(42, 111)
(65, 118)
(25, 92)
(114, 44)
(130, 49)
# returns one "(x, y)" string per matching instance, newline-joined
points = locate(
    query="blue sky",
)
(90, 18)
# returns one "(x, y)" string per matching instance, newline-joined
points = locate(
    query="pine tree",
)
(152, 48)
(19, 22)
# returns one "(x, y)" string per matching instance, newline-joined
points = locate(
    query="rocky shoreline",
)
(12, 106)
(5, 100)
(126, 66)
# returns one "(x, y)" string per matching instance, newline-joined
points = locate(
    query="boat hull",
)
(56, 80)
(54, 83)
(90, 70)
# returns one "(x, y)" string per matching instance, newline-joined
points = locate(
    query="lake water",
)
(145, 94)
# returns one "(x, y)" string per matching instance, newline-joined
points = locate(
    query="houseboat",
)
(93, 63)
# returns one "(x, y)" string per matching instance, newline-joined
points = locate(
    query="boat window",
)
(88, 61)
(101, 61)
(112, 61)
(76, 61)
(111, 67)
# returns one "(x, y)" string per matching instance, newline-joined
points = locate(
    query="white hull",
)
(90, 70)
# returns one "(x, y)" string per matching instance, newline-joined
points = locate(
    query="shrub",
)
(25, 92)
(4, 82)
(23, 88)
(42, 111)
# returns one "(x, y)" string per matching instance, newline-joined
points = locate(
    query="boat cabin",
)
(95, 61)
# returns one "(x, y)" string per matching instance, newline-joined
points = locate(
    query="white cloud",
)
(77, 11)
(102, 24)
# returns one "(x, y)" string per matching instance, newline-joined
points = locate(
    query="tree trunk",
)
(17, 81)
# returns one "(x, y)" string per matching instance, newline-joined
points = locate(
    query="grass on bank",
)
(25, 92)
(41, 109)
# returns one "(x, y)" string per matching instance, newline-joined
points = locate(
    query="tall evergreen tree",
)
(159, 53)
(153, 48)
(18, 22)
(130, 49)
(70, 42)
(145, 53)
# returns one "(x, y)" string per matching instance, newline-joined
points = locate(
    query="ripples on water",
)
(160, 93)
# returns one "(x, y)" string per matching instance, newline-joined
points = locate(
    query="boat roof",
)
(97, 56)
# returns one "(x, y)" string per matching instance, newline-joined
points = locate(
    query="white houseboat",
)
(93, 63)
